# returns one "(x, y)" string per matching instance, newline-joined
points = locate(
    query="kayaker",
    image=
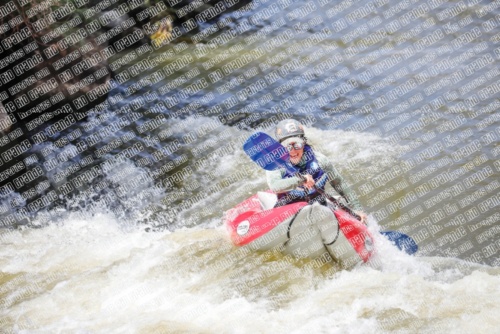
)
(314, 166)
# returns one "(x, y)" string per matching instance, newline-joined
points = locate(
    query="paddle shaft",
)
(331, 198)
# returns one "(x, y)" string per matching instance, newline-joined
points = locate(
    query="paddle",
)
(401, 241)
(271, 155)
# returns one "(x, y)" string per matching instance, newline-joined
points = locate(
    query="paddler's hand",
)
(363, 216)
(309, 182)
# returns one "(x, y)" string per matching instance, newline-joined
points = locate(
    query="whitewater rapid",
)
(96, 271)
(99, 276)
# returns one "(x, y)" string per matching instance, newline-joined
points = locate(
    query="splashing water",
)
(95, 275)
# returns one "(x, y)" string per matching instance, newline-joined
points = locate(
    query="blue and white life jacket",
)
(307, 165)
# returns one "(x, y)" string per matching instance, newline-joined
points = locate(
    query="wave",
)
(97, 275)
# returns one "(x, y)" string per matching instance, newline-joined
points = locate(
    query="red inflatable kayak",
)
(255, 222)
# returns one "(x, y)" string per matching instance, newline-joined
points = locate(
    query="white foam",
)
(94, 276)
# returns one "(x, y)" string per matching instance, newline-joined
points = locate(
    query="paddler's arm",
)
(279, 185)
(338, 182)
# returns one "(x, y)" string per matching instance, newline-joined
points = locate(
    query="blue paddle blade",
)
(402, 241)
(267, 152)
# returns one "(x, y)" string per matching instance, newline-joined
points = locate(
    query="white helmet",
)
(289, 128)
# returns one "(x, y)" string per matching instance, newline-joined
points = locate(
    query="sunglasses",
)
(296, 146)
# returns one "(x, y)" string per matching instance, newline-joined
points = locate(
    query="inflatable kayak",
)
(299, 229)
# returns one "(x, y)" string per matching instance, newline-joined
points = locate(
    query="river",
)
(402, 96)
